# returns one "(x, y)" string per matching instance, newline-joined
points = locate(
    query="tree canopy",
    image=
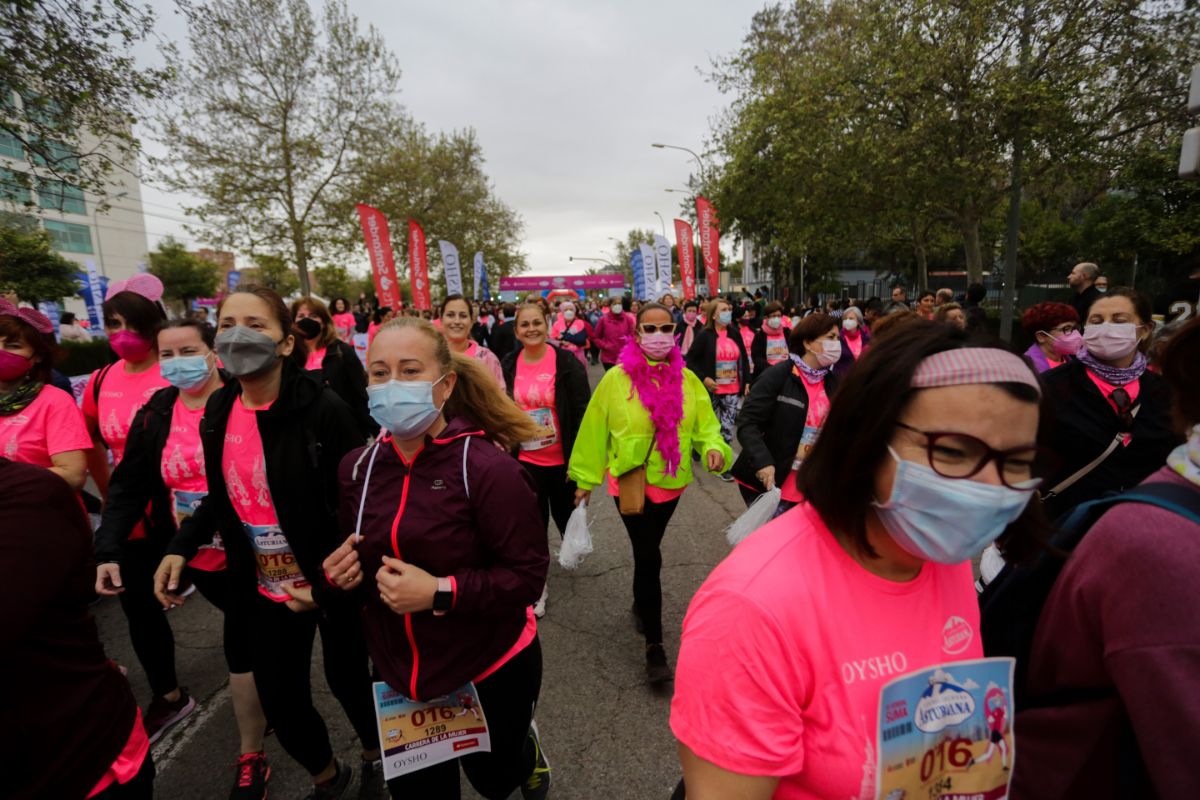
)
(30, 267)
(185, 277)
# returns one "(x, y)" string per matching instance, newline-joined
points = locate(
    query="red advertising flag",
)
(383, 263)
(418, 266)
(687, 257)
(710, 249)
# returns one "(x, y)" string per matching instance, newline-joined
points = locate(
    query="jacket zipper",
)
(408, 624)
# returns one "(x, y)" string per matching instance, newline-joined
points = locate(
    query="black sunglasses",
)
(666, 327)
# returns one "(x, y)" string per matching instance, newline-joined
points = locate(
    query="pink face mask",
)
(657, 346)
(129, 345)
(1068, 344)
(12, 366)
(690, 316)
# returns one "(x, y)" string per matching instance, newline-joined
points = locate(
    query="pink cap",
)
(143, 283)
(40, 322)
(967, 365)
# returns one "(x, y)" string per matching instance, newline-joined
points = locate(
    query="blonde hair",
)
(476, 396)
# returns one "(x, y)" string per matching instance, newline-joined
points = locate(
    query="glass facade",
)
(69, 237)
(60, 196)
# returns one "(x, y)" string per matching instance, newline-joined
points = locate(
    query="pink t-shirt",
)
(803, 639)
(777, 348)
(345, 324)
(122, 394)
(726, 369)
(477, 351)
(183, 473)
(533, 391)
(314, 359)
(244, 467)
(50, 425)
(818, 410)
(855, 344)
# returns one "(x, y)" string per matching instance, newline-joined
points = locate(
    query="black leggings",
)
(508, 697)
(237, 632)
(140, 787)
(646, 534)
(555, 492)
(149, 630)
(281, 651)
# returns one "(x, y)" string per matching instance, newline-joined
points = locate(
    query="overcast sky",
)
(566, 97)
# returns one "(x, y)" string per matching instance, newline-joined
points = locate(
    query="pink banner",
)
(537, 283)
(383, 263)
(710, 247)
(418, 266)
(687, 257)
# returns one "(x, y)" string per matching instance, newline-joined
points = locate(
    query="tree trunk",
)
(922, 275)
(970, 232)
(301, 248)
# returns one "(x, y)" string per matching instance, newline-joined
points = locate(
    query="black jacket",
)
(137, 482)
(771, 422)
(1082, 301)
(571, 392)
(305, 433)
(758, 350)
(1083, 423)
(502, 341)
(343, 372)
(702, 357)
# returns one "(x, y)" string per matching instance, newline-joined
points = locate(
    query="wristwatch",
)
(443, 598)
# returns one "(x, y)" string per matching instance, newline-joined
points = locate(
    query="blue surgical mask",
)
(725, 317)
(185, 372)
(947, 520)
(403, 407)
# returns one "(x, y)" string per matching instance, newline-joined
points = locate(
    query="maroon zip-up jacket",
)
(491, 543)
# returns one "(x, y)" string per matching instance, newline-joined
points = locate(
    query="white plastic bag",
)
(758, 514)
(577, 541)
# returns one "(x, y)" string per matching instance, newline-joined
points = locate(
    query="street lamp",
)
(679, 191)
(598, 260)
(96, 226)
(691, 152)
(664, 223)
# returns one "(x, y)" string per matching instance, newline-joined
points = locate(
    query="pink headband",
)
(39, 321)
(143, 283)
(968, 365)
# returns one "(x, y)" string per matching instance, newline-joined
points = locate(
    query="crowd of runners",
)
(917, 498)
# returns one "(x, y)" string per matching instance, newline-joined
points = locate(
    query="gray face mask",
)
(245, 352)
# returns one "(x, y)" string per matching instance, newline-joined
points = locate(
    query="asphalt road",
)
(603, 728)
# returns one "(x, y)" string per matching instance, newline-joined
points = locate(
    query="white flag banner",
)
(648, 271)
(450, 267)
(662, 253)
(478, 272)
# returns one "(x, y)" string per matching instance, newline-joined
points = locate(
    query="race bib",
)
(414, 735)
(186, 503)
(544, 417)
(276, 561)
(777, 350)
(726, 373)
(807, 440)
(946, 732)
(210, 556)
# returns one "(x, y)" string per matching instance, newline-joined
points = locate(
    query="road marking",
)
(169, 746)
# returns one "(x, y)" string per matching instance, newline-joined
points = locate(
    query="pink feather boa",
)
(659, 387)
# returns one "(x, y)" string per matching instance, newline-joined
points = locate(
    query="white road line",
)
(173, 742)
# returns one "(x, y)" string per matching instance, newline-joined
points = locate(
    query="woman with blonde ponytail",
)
(440, 554)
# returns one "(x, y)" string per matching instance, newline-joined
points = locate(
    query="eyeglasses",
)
(959, 455)
(666, 327)
(1063, 330)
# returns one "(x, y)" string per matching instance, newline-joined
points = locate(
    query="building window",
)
(12, 188)
(56, 155)
(68, 237)
(10, 145)
(60, 196)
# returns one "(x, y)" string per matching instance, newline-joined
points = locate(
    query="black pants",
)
(556, 494)
(141, 787)
(508, 697)
(282, 656)
(607, 367)
(149, 630)
(646, 534)
(237, 631)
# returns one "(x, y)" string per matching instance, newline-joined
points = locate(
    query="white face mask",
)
(1111, 341)
(831, 351)
(775, 322)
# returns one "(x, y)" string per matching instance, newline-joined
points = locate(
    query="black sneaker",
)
(637, 619)
(253, 772)
(537, 785)
(657, 670)
(336, 788)
(725, 476)
(371, 785)
(162, 714)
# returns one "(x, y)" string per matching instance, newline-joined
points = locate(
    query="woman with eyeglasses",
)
(570, 332)
(551, 386)
(929, 454)
(457, 322)
(1054, 328)
(718, 358)
(645, 418)
(770, 343)
(1112, 416)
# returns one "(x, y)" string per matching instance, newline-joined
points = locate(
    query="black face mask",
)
(311, 328)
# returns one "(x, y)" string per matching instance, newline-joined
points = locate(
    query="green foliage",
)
(30, 266)
(71, 63)
(273, 272)
(83, 358)
(185, 277)
(334, 280)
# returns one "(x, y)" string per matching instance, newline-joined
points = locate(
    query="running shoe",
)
(253, 772)
(336, 788)
(657, 670)
(539, 608)
(537, 785)
(370, 781)
(162, 713)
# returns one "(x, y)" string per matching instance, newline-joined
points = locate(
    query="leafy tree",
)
(185, 277)
(71, 64)
(334, 280)
(271, 113)
(30, 267)
(273, 272)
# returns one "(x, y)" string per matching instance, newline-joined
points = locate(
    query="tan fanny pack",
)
(631, 489)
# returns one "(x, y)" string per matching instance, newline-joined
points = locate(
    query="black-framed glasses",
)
(666, 327)
(960, 455)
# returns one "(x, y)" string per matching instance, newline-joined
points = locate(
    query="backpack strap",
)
(96, 398)
(1181, 500)
(1082, 472)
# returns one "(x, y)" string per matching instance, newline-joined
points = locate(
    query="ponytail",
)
(477, 397)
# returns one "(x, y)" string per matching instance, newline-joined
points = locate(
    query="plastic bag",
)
(577, 541)
(758, 514)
